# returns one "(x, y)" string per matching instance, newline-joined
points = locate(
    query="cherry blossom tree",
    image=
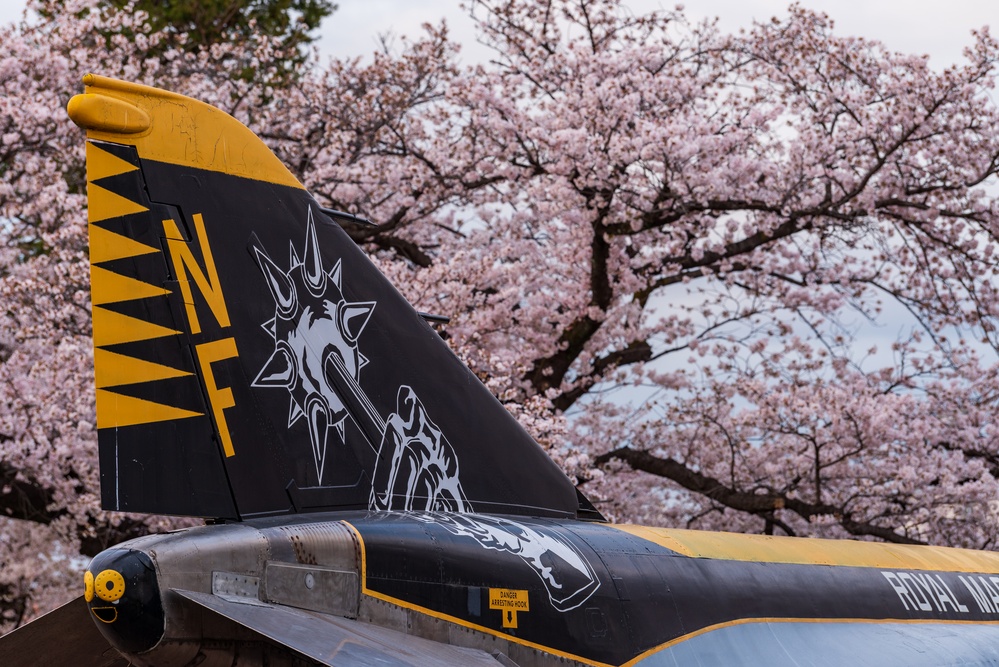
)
(726, 216)
(741, 282)
(50, 518)
(679, 240)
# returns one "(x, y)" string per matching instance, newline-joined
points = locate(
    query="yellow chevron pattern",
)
(110, 287)
(101, 164)
(106, 246)
(104, 204)
(113, 369)
(111, 328)
(116, 410)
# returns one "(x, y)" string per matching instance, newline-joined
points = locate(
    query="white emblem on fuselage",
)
(565, 572)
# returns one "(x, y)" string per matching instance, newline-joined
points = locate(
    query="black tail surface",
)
(250, 360)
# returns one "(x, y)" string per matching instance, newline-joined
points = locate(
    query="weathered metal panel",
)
(236, 587)
(313, 588)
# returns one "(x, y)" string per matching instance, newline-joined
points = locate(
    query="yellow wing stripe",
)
(101, 164)
(107, 246)
(113, 370)
(110, 287)
(102, 204)
(116, 410)
(111, 328)
(815, 551)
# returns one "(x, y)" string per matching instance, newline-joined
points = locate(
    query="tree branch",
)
(759, 504)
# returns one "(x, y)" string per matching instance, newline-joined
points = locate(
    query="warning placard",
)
(508, 598)
(510, 601)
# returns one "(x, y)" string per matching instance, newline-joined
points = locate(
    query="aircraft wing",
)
(338, 641)
(65, 636)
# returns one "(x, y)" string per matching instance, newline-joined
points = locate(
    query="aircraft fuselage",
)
(539, 591)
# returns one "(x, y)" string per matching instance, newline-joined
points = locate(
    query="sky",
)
(939, 29)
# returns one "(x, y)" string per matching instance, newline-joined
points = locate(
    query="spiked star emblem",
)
(313, 326)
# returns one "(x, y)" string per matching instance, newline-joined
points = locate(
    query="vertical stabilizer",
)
(250, 360)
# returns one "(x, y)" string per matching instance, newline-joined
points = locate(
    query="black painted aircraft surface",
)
(372, 503)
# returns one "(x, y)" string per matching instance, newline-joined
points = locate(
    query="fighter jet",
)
(368, 501)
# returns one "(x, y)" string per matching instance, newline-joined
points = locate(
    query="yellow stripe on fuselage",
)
(815, 551)
(454, 619)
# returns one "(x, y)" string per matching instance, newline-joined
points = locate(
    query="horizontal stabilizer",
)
(339, 641)
(65, 636)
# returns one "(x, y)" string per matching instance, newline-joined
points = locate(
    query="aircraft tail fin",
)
(250, 360)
